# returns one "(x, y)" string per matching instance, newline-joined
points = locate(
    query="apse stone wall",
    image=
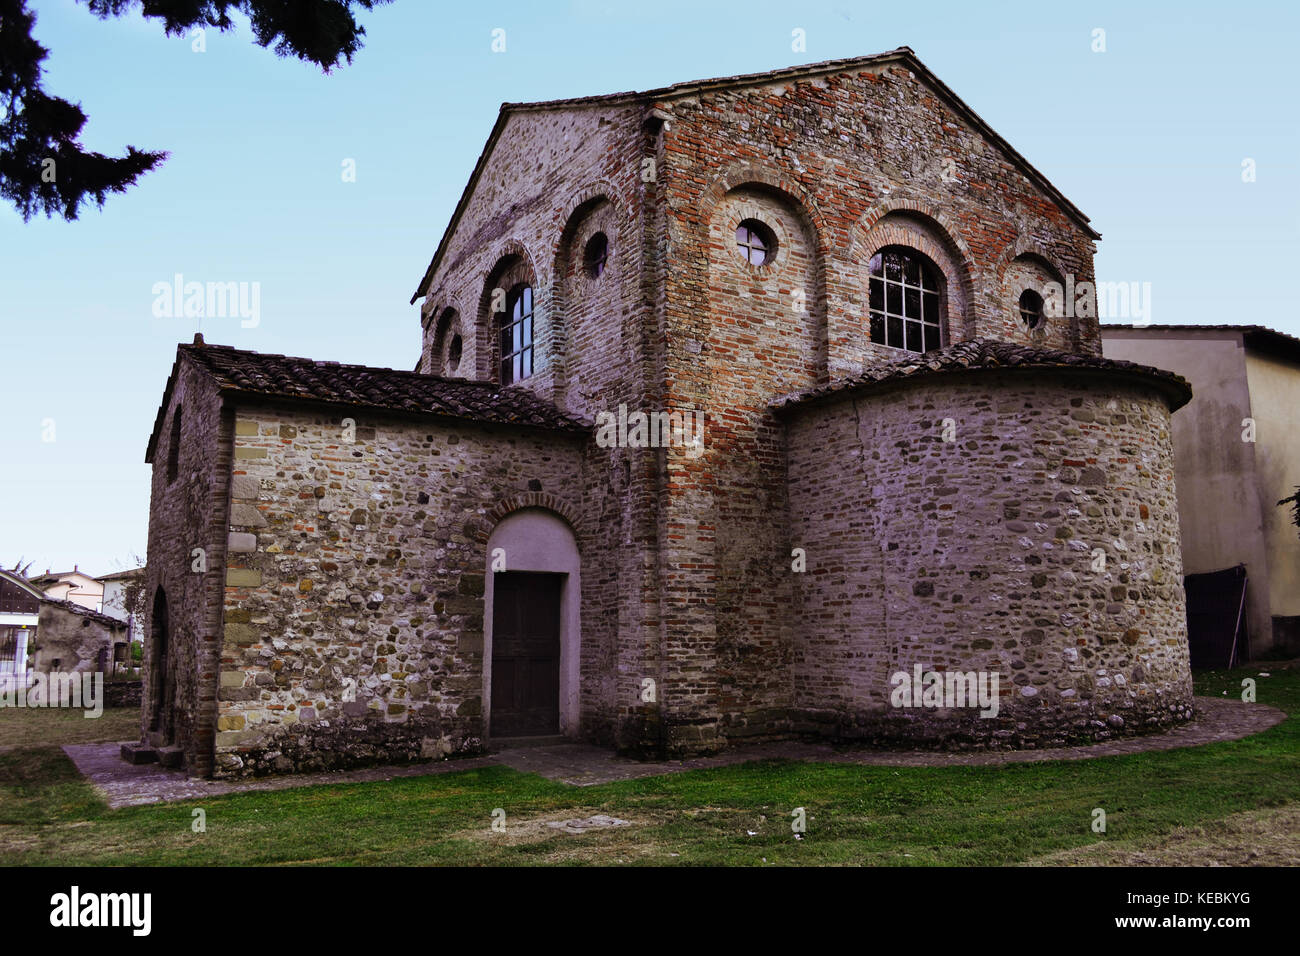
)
(1040, 542)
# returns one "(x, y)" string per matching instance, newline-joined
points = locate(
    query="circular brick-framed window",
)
(596, 255)
(755, 242)
(1031, 309)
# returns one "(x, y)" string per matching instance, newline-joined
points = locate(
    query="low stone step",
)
(171, 756)
(514, 743)
(137, 753)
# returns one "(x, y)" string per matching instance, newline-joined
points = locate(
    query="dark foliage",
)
(323, 32)
(43, 167)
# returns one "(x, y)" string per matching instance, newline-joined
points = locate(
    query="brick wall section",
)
(977, 554)
(186, 514)
(554, 178)
(354, 596)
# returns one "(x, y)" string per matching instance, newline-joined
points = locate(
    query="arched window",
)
(906, 291)
(174, 446)
(448, 346)
(517, 335)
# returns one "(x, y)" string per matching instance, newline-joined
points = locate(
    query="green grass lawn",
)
(855, 815)
(55, 726)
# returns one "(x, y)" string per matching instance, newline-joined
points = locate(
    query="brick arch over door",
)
(512, 264)
(483, 527)
(906, 222)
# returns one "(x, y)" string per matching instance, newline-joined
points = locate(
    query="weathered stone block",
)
(248, 516)
(241, 542)
(243, 578)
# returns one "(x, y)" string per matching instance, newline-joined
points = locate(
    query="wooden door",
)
(525, 654)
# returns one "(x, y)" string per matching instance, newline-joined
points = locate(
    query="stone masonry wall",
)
(186, 515)
(981, 553)
(354, 595)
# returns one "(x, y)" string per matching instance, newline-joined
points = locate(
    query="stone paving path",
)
(124, 784)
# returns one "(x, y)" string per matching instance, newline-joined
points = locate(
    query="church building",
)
(736, 400)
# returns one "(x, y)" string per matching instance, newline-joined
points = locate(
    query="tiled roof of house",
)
(977, 354)
(127, 575)
(1258, 336)
(24, 583)
(286, 378)
(99, 618)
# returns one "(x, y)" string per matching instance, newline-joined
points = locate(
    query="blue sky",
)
(1148, 138)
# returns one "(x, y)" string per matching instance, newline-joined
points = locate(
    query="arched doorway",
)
(162, 687)
(532, 600)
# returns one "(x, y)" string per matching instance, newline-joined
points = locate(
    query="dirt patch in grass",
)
(644, 838)
(537, 829)
(1268, 837)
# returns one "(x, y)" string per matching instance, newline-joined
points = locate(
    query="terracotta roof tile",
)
(983, 354)
(1258, 336)
(102, 619)
(287, 378)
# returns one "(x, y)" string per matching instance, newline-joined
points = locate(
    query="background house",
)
(115, 600)
(67, 621)
(1236, 454)
(76, 586)
(71, 638)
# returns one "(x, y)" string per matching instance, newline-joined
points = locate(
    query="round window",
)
(1031, 309)
(755, 242)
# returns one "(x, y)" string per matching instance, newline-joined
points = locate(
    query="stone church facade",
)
(909, 459)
